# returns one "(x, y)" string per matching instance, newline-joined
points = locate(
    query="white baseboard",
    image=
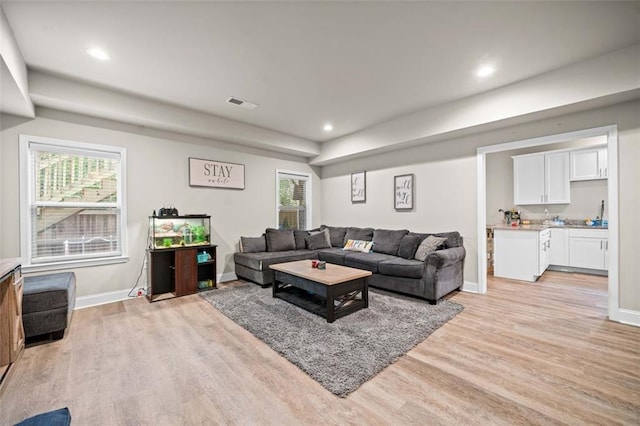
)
(118, 295)
(470, 287)
(229, 276)
(627, 316)
(101, 298)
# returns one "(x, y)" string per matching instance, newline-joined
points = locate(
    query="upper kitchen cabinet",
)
(589, 164)
(541, 178)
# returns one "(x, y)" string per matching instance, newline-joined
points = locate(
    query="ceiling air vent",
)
(242, 103)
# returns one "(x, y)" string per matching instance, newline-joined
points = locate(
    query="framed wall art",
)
(215, 174)
(403, 192)
(359, 187)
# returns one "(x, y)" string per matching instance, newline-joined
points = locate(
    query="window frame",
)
(308, 194)
(27, 199)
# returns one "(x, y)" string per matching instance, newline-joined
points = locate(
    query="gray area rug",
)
(343, 355)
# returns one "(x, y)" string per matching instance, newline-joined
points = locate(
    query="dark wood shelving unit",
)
(175, 272)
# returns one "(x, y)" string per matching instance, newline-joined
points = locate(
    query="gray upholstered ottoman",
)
(47, 304)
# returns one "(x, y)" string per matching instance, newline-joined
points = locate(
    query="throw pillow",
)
(280, 240)
(428, 246)
(253, 244)
(318, 240)
(408, 246)
(358, 245)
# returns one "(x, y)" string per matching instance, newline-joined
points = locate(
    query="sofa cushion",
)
(453, 239)
(336, 234)
(408, 246)
(261, 261)
(253, 244)
(333, 255)
(428, 246)
(362, 234)
(366, 261)
(299, 237)
(280, 240)
(387, 241)
(398, 267)
(318, 240)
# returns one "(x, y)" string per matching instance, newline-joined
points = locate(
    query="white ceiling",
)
(355, 64)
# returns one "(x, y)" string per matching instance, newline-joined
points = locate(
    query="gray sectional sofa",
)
(392, 259)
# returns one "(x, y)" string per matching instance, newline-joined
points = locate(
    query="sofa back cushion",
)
(336, 234)
(361, 234)
(453, 239)
(280, 240)
(408, 246)
(253, 244)
(299, 236)
(387, 241)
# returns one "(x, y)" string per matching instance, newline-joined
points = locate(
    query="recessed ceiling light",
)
(328, 127)
(98, 53)
(485, 71)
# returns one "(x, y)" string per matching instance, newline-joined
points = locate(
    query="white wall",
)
(157, 175)
(446, 186)
(586, 196)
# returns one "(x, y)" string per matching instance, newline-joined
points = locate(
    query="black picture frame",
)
(359, 187)
(403, 192)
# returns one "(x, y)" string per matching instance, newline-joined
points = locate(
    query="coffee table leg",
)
(275, 287)
(365, 293)
(331, 317)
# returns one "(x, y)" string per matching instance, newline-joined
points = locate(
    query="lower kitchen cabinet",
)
(589, 248)
(521, 254)
(559, 250)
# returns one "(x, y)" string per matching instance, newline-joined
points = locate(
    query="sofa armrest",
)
(443, 258)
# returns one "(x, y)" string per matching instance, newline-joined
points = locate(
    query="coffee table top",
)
(334, 274)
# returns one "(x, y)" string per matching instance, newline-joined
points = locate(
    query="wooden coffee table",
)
(331, 293)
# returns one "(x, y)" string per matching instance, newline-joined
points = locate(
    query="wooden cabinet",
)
(174, 272)
(541, 179)
(589, 248)
(589, 164)
(11, 329)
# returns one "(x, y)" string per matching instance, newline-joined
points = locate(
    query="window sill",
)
(70, 264)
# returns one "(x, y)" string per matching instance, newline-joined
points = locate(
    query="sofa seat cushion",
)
(261, 261)
(48, 292)
(366, 261)
(333, 255)
(399, 267)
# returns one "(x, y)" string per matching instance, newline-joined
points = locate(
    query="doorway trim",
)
(611, 132)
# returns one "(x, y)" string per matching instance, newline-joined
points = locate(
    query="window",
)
(72, 202)
(293, 200)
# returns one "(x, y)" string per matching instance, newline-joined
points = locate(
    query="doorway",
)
(610, 132)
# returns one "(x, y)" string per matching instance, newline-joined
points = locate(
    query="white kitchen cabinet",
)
(559, 250)
(589, 248)
(541, 178)
(520, 254)
(589, 164)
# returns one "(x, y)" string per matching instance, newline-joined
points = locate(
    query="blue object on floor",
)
(60, 417)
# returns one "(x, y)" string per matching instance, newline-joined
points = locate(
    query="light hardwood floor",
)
(540, 353)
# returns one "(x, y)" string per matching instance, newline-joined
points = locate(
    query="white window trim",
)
(26, 195)
(308, 195)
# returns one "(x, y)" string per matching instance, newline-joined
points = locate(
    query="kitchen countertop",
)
(539, 227)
